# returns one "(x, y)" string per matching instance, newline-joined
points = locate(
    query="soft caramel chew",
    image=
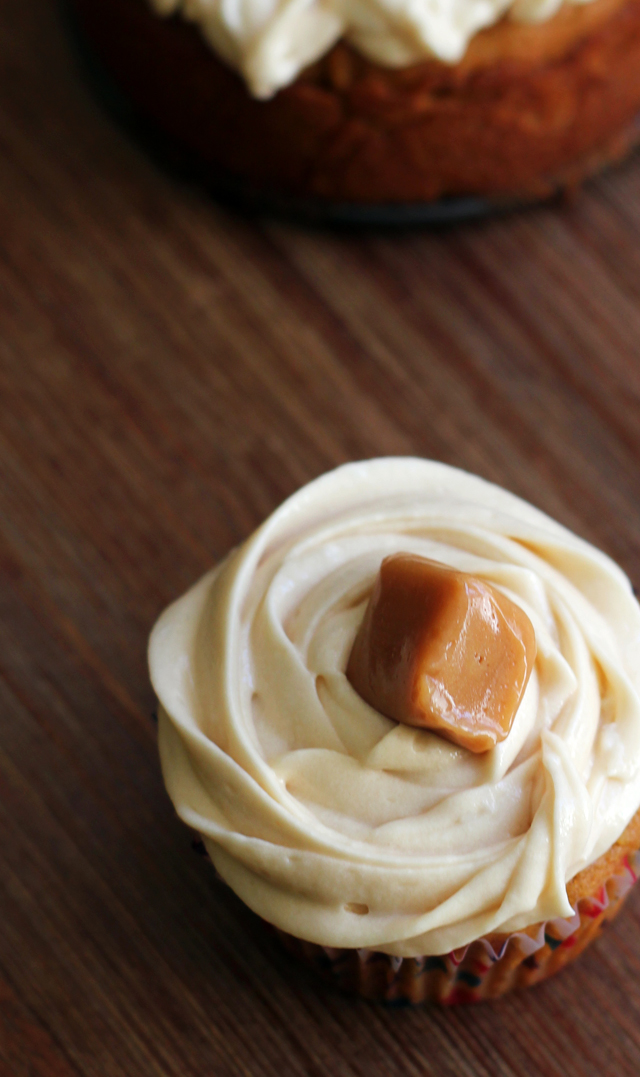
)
(444, 650)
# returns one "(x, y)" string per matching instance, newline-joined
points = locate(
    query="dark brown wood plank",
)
(169, 372)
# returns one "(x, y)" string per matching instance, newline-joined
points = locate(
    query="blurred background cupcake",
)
(361, 102)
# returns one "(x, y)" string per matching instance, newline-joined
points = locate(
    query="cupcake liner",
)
(485, 969)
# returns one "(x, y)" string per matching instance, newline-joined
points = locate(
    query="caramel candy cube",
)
(444, 650)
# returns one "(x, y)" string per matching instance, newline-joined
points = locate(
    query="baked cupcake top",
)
(343, 827)
(270, 42)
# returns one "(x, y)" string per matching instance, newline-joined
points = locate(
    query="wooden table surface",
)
(169, 373)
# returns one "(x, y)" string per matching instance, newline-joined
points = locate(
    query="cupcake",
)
(364, 103)
(387, 841)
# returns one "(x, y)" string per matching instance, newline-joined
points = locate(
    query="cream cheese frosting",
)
(340, 826)
(270, 41)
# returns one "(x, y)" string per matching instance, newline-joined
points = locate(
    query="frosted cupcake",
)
(373, 102)
(398, 862)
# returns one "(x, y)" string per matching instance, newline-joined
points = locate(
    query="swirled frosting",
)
(335, 823)
(270, 41)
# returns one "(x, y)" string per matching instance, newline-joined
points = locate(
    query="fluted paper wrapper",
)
(485, 969)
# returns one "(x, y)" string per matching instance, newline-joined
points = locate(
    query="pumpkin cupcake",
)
(434, 798)
(368, 102)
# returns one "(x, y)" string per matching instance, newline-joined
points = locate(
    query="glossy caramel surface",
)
(444, 650)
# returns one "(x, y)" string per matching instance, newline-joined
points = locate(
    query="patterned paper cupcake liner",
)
(485, 969)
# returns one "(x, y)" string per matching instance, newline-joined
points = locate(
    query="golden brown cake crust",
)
(528, 110)
(588, 881)
(535, 44)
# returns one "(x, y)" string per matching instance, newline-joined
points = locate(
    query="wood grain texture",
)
(169, 372)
